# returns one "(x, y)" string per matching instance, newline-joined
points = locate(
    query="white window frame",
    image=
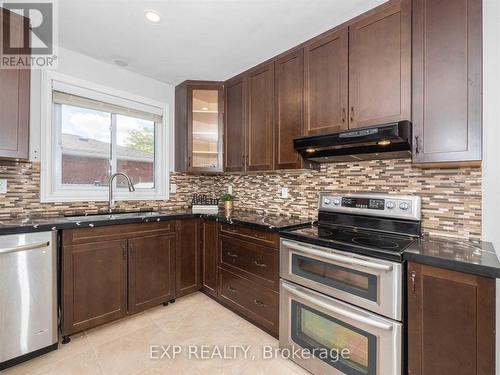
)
(52, 191)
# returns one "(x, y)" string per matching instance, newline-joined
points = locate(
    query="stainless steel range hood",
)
(387, 141)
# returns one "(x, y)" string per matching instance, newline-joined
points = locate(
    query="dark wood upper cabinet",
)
(447, 80)
(209, 252)
(199, 124)
(151, 271)
(289, 96)
(451, 322)
(260, 125)
(326, 80)
(380, 67)
(94, 284)
(188, 260)
(15, 94)
(234, 135)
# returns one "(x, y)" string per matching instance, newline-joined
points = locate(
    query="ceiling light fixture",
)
(204, 109)
(152, 16)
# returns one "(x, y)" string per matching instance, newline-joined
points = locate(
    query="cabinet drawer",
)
(245, 233)
(255, 262)
(256, 303)
(115, 232)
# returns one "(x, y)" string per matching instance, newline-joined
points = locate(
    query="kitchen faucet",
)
(131, 188)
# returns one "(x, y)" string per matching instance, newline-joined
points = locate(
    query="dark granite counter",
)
(260, 220)
(254, 219)
(474, 257)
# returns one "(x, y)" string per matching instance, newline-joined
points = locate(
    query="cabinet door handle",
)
(413, 276)
(232, 255)
(231, 289)
(189, 161)
(259, 303)
(352, 114)
(416, 145)
(242, 160)
(259, 264)
(343, 115)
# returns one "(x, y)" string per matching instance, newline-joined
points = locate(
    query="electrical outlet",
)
(284, 192)
(173, 188)
(229, 189)
(3, 186)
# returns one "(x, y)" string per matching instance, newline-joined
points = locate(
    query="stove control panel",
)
(385, 205)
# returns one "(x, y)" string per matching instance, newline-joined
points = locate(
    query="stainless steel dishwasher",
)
(28, 296)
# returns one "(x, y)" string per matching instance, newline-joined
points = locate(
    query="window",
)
(94, 134)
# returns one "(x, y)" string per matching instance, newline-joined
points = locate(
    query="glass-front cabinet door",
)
(204, 126)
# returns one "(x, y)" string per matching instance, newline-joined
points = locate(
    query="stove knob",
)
(404, 206)
(336, 201)
(326, 201)
(390, 205)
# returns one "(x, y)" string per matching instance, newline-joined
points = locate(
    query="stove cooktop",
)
(362, 241)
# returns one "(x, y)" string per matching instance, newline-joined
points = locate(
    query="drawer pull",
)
(231, 289)
(259, 303)
(232, 255)
(235, 231)
(259, 264)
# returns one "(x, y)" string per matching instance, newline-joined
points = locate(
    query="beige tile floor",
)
(124, 347)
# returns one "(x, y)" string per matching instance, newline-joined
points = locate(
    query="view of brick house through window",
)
(92, 140)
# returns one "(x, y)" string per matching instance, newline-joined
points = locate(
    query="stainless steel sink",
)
(113, 216)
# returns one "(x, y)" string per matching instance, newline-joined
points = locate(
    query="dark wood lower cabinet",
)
(451, 322)
(259, 305)
(248, 274)
(254, 262)
(94, 284)
(209, 238)
(188, 257)
(111, 271)
(151, 271)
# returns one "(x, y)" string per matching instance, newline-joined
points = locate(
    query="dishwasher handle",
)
(30, 246)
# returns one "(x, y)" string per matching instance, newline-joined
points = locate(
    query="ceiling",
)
(196, 39)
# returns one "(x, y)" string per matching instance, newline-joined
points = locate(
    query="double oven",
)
(343, 306)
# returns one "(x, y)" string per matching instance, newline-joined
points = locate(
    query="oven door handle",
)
(338, 258)
(338, 310)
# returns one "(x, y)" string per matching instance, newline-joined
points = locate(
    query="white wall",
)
(491, 121)
(86, 68)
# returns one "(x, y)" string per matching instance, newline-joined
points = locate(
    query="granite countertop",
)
(261, 220)
(474, 257)
(257, 220)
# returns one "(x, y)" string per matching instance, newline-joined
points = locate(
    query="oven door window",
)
(351, 281)
(326, 336)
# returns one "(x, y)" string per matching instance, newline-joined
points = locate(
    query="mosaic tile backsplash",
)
(451, 198)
